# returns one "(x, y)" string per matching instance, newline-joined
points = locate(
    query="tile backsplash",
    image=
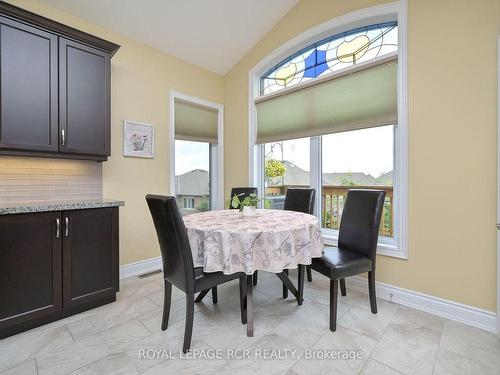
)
(38, 179)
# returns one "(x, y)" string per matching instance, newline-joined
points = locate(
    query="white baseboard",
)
(143, 266)
(447, 309)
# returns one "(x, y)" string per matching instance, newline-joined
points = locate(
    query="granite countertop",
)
(44, 206)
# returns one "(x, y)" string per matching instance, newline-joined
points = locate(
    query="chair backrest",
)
(300, 200)
(361, 221)
(242, 193)
(178, 267)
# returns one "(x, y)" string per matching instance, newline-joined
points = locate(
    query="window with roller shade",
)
(329, 113)
(195, 138)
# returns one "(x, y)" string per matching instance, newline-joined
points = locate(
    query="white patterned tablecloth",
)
(272, 240)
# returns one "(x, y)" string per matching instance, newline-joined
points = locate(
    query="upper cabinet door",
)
(84, 99)
(28, 93)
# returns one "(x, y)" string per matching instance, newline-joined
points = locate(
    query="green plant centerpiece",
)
(251, 200)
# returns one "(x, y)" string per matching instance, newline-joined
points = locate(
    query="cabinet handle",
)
(66, 226)
(58, 228)
(63, 137)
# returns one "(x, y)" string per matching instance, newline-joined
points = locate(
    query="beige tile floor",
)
(108, 340)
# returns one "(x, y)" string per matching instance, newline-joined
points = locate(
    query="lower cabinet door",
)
(30, 268)
(90, 256)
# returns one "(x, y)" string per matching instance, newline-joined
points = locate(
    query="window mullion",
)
(261, 179)
(315, 176)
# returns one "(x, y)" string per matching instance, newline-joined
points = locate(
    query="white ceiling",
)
(214, 34)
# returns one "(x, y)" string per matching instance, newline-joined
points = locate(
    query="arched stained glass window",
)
(332, 54)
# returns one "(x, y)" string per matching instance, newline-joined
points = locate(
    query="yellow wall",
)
(452, 64)
(141, 80)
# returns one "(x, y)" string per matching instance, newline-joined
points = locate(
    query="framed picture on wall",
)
(138, 140)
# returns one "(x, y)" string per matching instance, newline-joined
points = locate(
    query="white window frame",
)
(498, 196)
(216, 179)
(394, 11)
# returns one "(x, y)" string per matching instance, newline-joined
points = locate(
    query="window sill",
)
(382, 249)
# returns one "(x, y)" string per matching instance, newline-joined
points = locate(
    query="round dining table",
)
(270, 240)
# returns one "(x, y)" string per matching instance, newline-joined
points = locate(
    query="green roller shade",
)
(348, 101)
(195, 123)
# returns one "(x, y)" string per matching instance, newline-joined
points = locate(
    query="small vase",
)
(249, 211)
(139, 145)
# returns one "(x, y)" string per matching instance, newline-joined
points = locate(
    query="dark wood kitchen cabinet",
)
(30, 268)
(84, 99)
(56, 264)
(54, 88)
(28, 90)
(90, 255)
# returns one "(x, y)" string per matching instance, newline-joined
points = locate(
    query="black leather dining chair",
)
(299, 200)
(357, 246)
(242, 193)
(178, 267)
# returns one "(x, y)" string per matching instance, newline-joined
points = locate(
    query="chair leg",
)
(334, 290)
(301, 284)
(243, 296)
(166, 305)
(202, 295)
(285, 289)
(255, 274)
(343, 291)
(249, 299)
(309, 274)
(188, 329)
(371, 291)
(214, 295)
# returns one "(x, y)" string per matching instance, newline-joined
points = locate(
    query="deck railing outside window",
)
(332, 205)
